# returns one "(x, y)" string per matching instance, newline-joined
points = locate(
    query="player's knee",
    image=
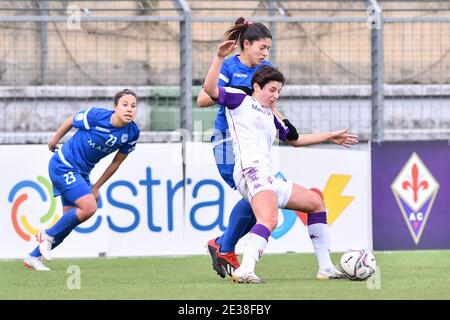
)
(271, 223)
(92, 208)
(89, 209)
(317, 203)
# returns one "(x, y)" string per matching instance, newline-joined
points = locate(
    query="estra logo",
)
(415, 189)
(23, 216)
(335, 203)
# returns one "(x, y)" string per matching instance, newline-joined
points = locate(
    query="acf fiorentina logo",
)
(415, 189)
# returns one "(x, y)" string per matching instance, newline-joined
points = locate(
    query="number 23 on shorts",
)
(69, 177)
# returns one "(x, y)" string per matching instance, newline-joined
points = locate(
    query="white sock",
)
(254, 249)
(320, 238)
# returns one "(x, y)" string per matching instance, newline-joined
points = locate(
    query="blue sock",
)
(60, 238)
(35, 252)
(60, 230)
(241, 221)
(64, 226)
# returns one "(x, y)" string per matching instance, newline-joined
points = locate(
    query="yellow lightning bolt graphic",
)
(334, 202)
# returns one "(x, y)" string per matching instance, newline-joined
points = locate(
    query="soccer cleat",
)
(35, 263)
(330, 274)
(45, 245)
(245, 277)
(213, 249)
(228, 261)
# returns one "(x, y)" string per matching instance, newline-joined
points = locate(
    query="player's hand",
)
(343, 138)
(226, 48)
(53, 145)
(96, 193)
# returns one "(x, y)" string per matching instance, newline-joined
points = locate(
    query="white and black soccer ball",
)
(358, 264)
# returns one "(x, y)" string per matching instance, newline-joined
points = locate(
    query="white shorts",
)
(250, 181)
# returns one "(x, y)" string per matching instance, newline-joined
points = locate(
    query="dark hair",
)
(122, 93)
(265, 74)
(246, 30)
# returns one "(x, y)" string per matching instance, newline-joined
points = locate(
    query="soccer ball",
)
(358, 264)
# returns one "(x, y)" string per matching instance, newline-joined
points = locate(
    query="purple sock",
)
(261, 230)
(317, 217)
(320, 238)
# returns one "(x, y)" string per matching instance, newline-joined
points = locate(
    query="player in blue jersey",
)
(254, 41)
(100, 133)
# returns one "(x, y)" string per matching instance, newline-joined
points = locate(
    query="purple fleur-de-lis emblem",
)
(415, 185)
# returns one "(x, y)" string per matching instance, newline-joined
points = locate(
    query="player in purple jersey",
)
(100, 133)
(253, 130)
(255, 41)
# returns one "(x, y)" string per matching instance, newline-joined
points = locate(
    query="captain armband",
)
(292, 134)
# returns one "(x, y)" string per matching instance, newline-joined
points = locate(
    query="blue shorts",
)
(223, 154)
(68, 182)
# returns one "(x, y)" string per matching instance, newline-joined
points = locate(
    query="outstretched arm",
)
(212, 78)
(109, 171)
(60, 132)
(341, 137)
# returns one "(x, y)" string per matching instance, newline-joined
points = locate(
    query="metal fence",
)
(382, 69)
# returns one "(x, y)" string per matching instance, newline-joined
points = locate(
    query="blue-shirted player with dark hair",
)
(254, 40)
(100, 133)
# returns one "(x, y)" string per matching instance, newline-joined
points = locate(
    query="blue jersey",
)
(234, 73)
(95, 139)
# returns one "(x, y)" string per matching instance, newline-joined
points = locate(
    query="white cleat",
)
(45, 245)
(330, 274)
(35, 263)
(240, 276)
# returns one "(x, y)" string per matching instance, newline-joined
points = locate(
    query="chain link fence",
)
(58, 57)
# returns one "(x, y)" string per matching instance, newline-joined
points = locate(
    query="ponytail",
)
(247, 30)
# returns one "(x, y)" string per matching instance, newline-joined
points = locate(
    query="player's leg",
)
(264, 202)
(76, 197)
(241, 218)
(85, 207)
(311, 202)
(67, 206)
(57, 171)
(34, 259)
(264, 205)
(36, 252)
(240, 223)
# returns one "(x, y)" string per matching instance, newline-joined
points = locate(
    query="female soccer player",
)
(253, 127)
(100, 132)
(254, 41)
